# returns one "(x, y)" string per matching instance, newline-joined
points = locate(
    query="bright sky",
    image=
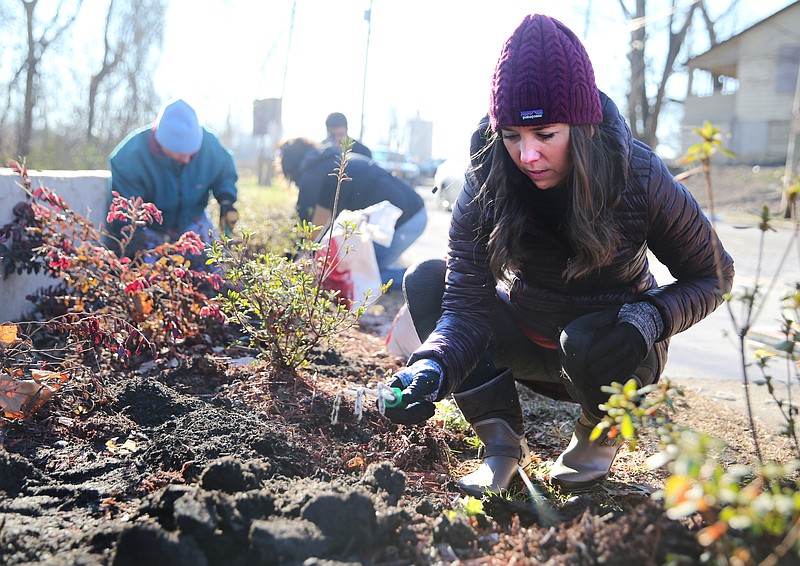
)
(427, 58)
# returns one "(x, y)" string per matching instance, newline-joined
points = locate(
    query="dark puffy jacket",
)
(655, 212)
(368, 184)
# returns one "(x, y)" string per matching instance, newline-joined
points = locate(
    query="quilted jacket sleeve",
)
(464, 329)
(224, 184)
(683, 239)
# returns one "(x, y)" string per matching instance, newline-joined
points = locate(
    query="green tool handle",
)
(398, 399)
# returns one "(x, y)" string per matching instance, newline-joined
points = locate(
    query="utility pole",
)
(288, 48)
(368, 17)
(587, 19)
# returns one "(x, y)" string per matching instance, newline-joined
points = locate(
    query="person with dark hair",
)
(336, 124)
(174, 163)
(310, 168)
(547, 281)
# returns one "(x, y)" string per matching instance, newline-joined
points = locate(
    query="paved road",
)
(707, 356)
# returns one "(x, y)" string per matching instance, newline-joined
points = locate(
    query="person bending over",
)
(310, 168)
(336, 125)
(174, 163)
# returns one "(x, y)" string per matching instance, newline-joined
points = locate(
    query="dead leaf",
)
(143, 305)
(356, 463)
(127, 447)
(8, 335)
(48, 377)
(20, 395)
(711, 533)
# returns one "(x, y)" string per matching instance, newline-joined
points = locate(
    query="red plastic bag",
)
(352, 269)
(338, 276)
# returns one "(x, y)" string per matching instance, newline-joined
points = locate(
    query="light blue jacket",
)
(140, 168)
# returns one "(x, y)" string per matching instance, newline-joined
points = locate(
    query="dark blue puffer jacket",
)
(656, 212)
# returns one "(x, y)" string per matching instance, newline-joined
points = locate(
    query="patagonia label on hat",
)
(531, 114)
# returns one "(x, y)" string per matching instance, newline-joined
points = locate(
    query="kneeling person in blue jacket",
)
(174, 163)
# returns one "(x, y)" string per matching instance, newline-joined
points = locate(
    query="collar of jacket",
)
(154, 146)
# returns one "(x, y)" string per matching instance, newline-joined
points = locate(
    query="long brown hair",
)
(594, 185)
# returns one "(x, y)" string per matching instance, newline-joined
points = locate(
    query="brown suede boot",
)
(584, 463)
(494, 412)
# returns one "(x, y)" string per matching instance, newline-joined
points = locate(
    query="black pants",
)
(560, 373)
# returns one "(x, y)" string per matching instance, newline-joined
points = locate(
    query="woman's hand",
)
(617, 356)
(419, 384)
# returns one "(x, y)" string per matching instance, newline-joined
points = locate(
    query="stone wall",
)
(84, 191)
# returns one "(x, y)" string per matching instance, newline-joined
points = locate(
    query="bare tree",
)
(111, 59)
(121, 92)
(7, 46)
(50, 33)
(643, 109)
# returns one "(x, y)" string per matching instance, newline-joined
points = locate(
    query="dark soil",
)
(213, 459)
(216, 461)
(220, 482)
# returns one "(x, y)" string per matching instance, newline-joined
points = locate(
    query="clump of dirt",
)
(222, 459)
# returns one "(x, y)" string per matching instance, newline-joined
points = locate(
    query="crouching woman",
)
(547, 281)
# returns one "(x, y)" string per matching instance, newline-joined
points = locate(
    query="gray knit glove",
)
(646, 318)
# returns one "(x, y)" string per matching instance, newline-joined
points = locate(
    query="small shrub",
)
(152, 300)
(33, 369)
(280, 303)
(283, 303)
(739, 505)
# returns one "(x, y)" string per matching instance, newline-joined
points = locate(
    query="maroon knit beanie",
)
(543, 76)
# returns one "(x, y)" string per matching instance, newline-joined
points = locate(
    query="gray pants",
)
(561, 373)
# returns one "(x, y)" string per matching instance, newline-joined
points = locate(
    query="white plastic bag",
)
(402, 339)
(376, 221)
(355, 272)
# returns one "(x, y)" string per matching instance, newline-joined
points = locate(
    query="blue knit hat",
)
(178, 129)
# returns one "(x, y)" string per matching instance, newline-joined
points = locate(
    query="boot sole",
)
(472, 491)
(576, 487)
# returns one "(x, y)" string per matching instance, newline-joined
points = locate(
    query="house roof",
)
(723, 58)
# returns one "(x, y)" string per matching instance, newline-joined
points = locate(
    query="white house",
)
(748, 86)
